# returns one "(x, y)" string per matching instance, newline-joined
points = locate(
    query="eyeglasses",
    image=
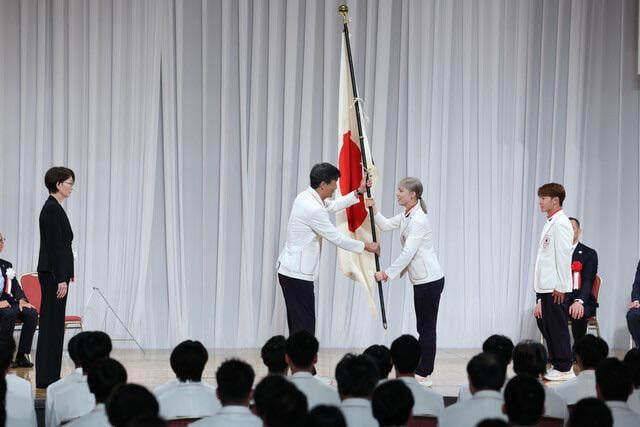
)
(70, 184)
(2, 240)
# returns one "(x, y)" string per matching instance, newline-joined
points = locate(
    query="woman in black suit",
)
(55, 271)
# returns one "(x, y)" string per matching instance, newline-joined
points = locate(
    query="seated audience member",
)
(502, 348)
(590, 412)
(392, 403)
(530, 358)
(486, 378)
(633, 315)
(128, 402)
(524, 401)
(19, 405)
(588, 351)
(613, 386)
(356, 376)
(148, 421)
(325, 416)
(75, 376)
(382, 356)
(301, 356)
(187, 396)
(273, 355)
(105, 375)
(235, 380)
(279, 403)
(405, 354)
(632, 362)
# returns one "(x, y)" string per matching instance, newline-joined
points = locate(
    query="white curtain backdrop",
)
(192, 125)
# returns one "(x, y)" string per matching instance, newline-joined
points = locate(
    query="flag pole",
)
(344, 11)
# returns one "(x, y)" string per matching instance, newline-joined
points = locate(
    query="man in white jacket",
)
(308, 224)
(552, 280)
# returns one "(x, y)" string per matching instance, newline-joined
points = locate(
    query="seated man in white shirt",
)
(19, 405)
(187, 396)
(301, 356)
(589, 351)
(357, 377)
(405, 354)
(105, 375)
(235, 380)
(632, 362)
(613, 385)
(486, 378)
(129, 402)
(502, 348)
(392, 403)
(524, 401)
(272, 355)
(325, 416)
(382, 356)
(279, 403)
(590, 412)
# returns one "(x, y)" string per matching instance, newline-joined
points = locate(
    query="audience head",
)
(130, 401)
(301, 351)
(357, 376)
(612, 380)
(188, 360)
(485, 373)
(105, 375)
(279, 403)
(492, 422)
(405, 354)
(524, 400)
(325, 416)
(323, 172)
(73, 346)
(632, 362)
(56, 176)
(235, 379)
(94, 346)
(147, 421)
(589, 351)
(392, 403)
(590, 412)
(273, 355)
(501, 347)
(382, 356)
(529, 358)
(6, 354)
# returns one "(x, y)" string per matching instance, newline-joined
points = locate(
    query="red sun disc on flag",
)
(350, 167)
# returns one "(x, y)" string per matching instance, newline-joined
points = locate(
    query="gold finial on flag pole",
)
(344, 11)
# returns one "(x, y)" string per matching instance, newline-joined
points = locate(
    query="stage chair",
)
(422, 421)
(551, 422)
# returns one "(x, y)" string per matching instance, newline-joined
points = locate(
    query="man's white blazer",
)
(555, 248)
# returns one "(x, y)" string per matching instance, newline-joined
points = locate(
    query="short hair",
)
(591, 349)
(104, 376)
(273, 354)
(552, 189)
(73, 346)
(301, 348)
(485, 372)
(501, 347)
(56, 175)
(95, 345)
(632, 362)
(524, 400)
(235, 379)
(590, 412)
(188, 360)
(382, 356)
(357, 376)
(530, 358)
(405, 354)
(325, 416)
(392, 403)
(492, 422)
(129, 401)
(323, 172)
(279, 402)
(573, 218)
(6, 354)
(612, 378)
(147, 420)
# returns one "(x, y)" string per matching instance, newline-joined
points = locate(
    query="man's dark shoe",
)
(22, 361)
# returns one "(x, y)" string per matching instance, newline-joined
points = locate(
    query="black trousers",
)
(300, 301)
(51, 335)
(579, 327)
(426, 299)
(633, 322)
(554, 329)
(29, 319)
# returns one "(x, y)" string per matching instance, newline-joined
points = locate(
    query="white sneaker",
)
(555, 375)
(424, 381)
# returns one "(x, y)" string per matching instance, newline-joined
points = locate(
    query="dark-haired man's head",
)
(612, 380)
(188, 360)
(279, 403)
(273, 355)
(529, 358)
(129, 401)
(382, 356)
(325, 416)
(405, 354)
(590, 412)
(94, 346)
(301, 351)
(589, 351)
(501, 347)
(392, 403)
(323, 172)
(105, 375)
(7, 348)
(524, 400)
(357, 376)
(485, 373)
(632, 362)
(73, 346)
(235, 379)
(147, 421)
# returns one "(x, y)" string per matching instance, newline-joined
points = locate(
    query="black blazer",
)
(589, 259)
(635, 293)
(56, 255)
(16, 290)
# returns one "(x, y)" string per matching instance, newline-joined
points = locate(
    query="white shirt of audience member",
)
(554, 405)
(72, 400)
(426, 401)
(634, 401)
(483, 404)
(96, 418)
(578, 388)
(623, 416)
(19, 402)
(357, 412)
(53, 389)
(236, 416)
(317, 392)
(189, 399)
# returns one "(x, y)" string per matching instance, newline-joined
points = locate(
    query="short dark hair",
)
(188, 360)
(357, 376)
(279, 403)
(104, 376)
(382, 356)
(405, 353)
(56, 175)
(273, 354)
(6, 353)
(235, 379)
(325, 416)
(591, 349)
(323, 172)
(529, 358)
(552, 189)
(590, 412)
(301, 348)
(73, 346)
(572, 218)
(95, 345)
(485, 372)
(129, 401)
(501, 347)
(524, 400)
(612, 378)
(632, 362)
(392, 403)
